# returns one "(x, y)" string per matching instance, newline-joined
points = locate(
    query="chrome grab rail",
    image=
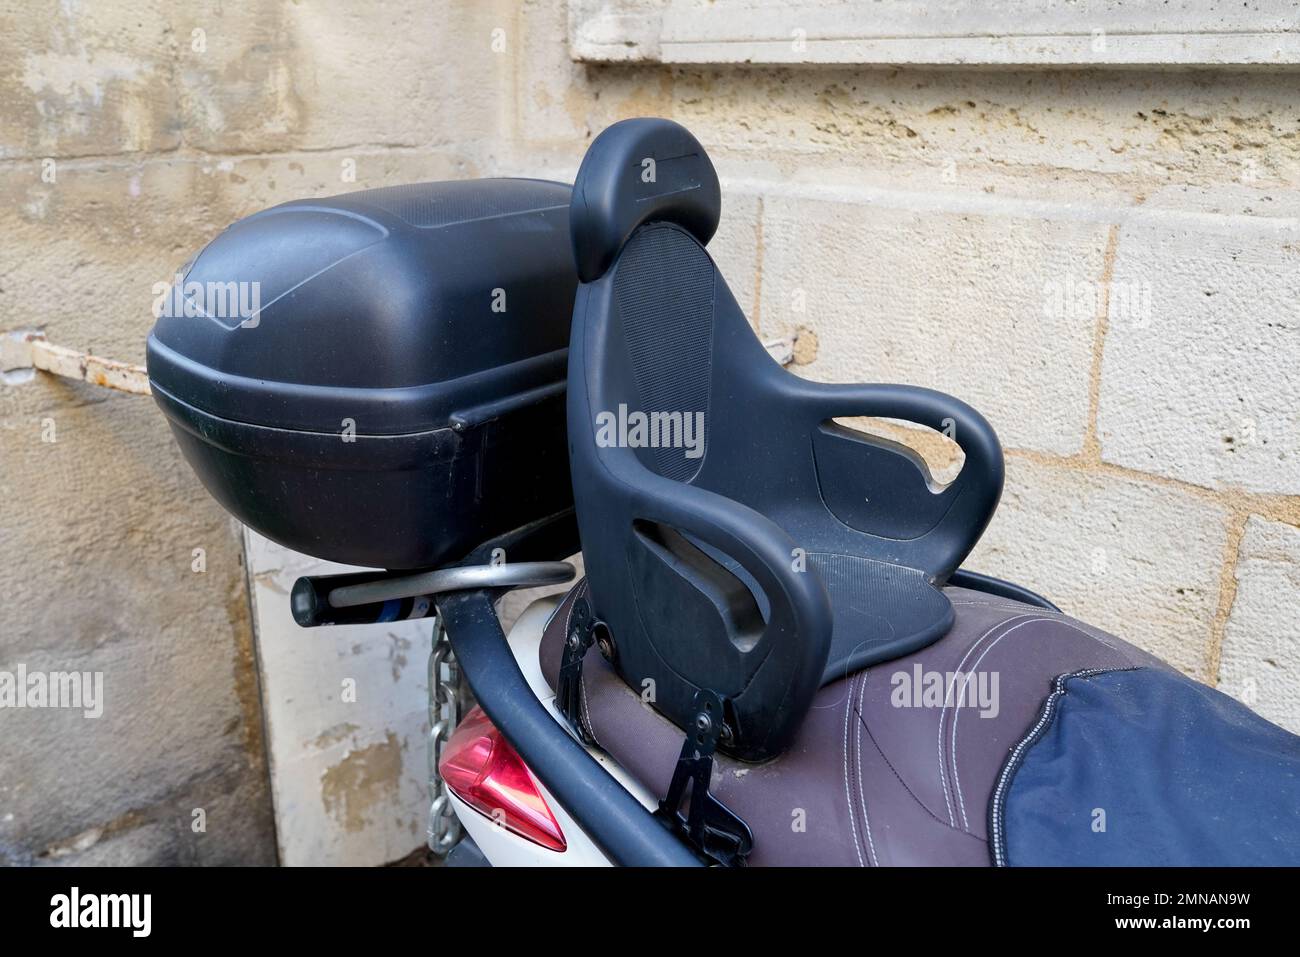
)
(504, 575)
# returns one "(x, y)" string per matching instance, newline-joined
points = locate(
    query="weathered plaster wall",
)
(1102, 261)
(130, 133)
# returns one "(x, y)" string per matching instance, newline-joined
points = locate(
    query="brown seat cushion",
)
(886, 768)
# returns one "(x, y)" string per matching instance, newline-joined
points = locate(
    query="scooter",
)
(775, 655)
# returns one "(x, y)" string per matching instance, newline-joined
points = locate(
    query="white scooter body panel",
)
(504, 848)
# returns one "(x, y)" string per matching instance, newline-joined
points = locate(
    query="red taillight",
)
(484, 771)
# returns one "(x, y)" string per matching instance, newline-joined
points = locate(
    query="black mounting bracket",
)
(568, 686)
(715, 831)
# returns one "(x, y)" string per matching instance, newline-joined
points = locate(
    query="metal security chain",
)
(445, 707)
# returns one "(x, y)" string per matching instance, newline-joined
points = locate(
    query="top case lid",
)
(393, 307)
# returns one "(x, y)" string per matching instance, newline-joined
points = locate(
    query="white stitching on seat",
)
(848, 793)
(956, 782)
(1032, 610)
(943, 774)
(862, 791)
(1004, 606)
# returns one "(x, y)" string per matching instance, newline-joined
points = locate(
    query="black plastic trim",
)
(611, 816)
(976, 581)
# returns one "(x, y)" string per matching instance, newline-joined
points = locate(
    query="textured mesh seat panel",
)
(867, 596)
(664, 288)
(863, 593)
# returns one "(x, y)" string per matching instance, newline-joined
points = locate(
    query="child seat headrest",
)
(639, 171)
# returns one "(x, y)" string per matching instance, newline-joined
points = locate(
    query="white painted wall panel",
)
(348, 777)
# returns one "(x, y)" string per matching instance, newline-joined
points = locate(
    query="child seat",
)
(742, 549)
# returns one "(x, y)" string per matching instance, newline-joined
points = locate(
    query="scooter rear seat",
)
(877, 773)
